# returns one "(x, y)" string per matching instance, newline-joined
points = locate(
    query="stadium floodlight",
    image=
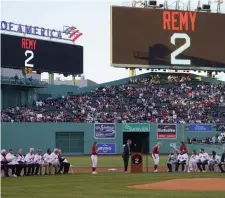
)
(219, 2)
(146, 4)
(203, 7)
(139, 3)
(153, 4)
(206, 8)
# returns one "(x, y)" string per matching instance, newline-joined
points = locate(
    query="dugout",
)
(140, 141)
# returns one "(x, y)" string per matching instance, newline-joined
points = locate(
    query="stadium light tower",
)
(140, 3)
(189, 5)
(207, 7)
(219, 2)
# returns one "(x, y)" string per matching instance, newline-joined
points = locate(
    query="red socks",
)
(155, 167)
(93, 169)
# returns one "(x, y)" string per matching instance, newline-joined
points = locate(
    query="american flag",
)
(73, 33)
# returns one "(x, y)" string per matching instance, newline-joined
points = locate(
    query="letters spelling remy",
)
(179, 21)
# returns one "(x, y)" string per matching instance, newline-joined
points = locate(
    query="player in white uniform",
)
(181, 160)
(94, 157)
(214, 159)
(192, 165)
(48, 160)
(172, 159)
(39, 159)
(55, 161)
(203, 160)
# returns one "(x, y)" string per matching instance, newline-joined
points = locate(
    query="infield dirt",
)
(201, 184)
(115, 169)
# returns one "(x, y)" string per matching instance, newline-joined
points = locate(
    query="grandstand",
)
(153, 97)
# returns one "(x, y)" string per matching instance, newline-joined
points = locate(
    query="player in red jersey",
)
(94, 157)
(155, 156)
(183, 147)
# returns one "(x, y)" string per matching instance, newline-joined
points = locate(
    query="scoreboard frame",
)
(40, 55)
(176, 37)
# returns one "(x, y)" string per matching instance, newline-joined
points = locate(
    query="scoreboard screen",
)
(157, 38)
(41, 55)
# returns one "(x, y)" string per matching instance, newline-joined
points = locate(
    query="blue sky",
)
(92, 18)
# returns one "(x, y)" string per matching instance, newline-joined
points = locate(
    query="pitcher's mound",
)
(204, 184)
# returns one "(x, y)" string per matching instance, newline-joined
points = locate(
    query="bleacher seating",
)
(156, 98)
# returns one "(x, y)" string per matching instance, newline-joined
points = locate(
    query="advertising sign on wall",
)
(106, 148)
(105, 131)
(167, 131)
(68, 32)
(220, 127)
(200, 127)
(133, 127)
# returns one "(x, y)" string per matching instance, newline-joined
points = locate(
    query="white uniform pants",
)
(44, 168)
(156, 159)
(55, 167)
(192, 164)
(94, 159)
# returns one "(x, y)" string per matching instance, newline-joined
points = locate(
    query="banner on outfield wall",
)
(105, 131)
(220, 127)
(136, 127)
(167, 131)
(106, 148)
(200, 128)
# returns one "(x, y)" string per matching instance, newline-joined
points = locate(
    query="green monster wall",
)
(44, 135)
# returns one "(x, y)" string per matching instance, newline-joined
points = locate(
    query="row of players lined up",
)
(196, 162)
(33, 164)
(179, 157)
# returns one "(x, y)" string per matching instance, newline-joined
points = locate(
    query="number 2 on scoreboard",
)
(30, 55)
(174, 60)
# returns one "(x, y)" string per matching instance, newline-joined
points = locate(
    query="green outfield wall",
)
(77, 138)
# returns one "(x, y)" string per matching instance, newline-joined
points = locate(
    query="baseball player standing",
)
(94, 157)
(155, 156)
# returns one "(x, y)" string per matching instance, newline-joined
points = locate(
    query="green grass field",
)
(102, 185)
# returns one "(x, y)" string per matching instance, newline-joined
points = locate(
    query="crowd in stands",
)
(155, 99)
(33, 164)
(218, 139)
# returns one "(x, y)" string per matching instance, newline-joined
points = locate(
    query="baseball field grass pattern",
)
(104, 185)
